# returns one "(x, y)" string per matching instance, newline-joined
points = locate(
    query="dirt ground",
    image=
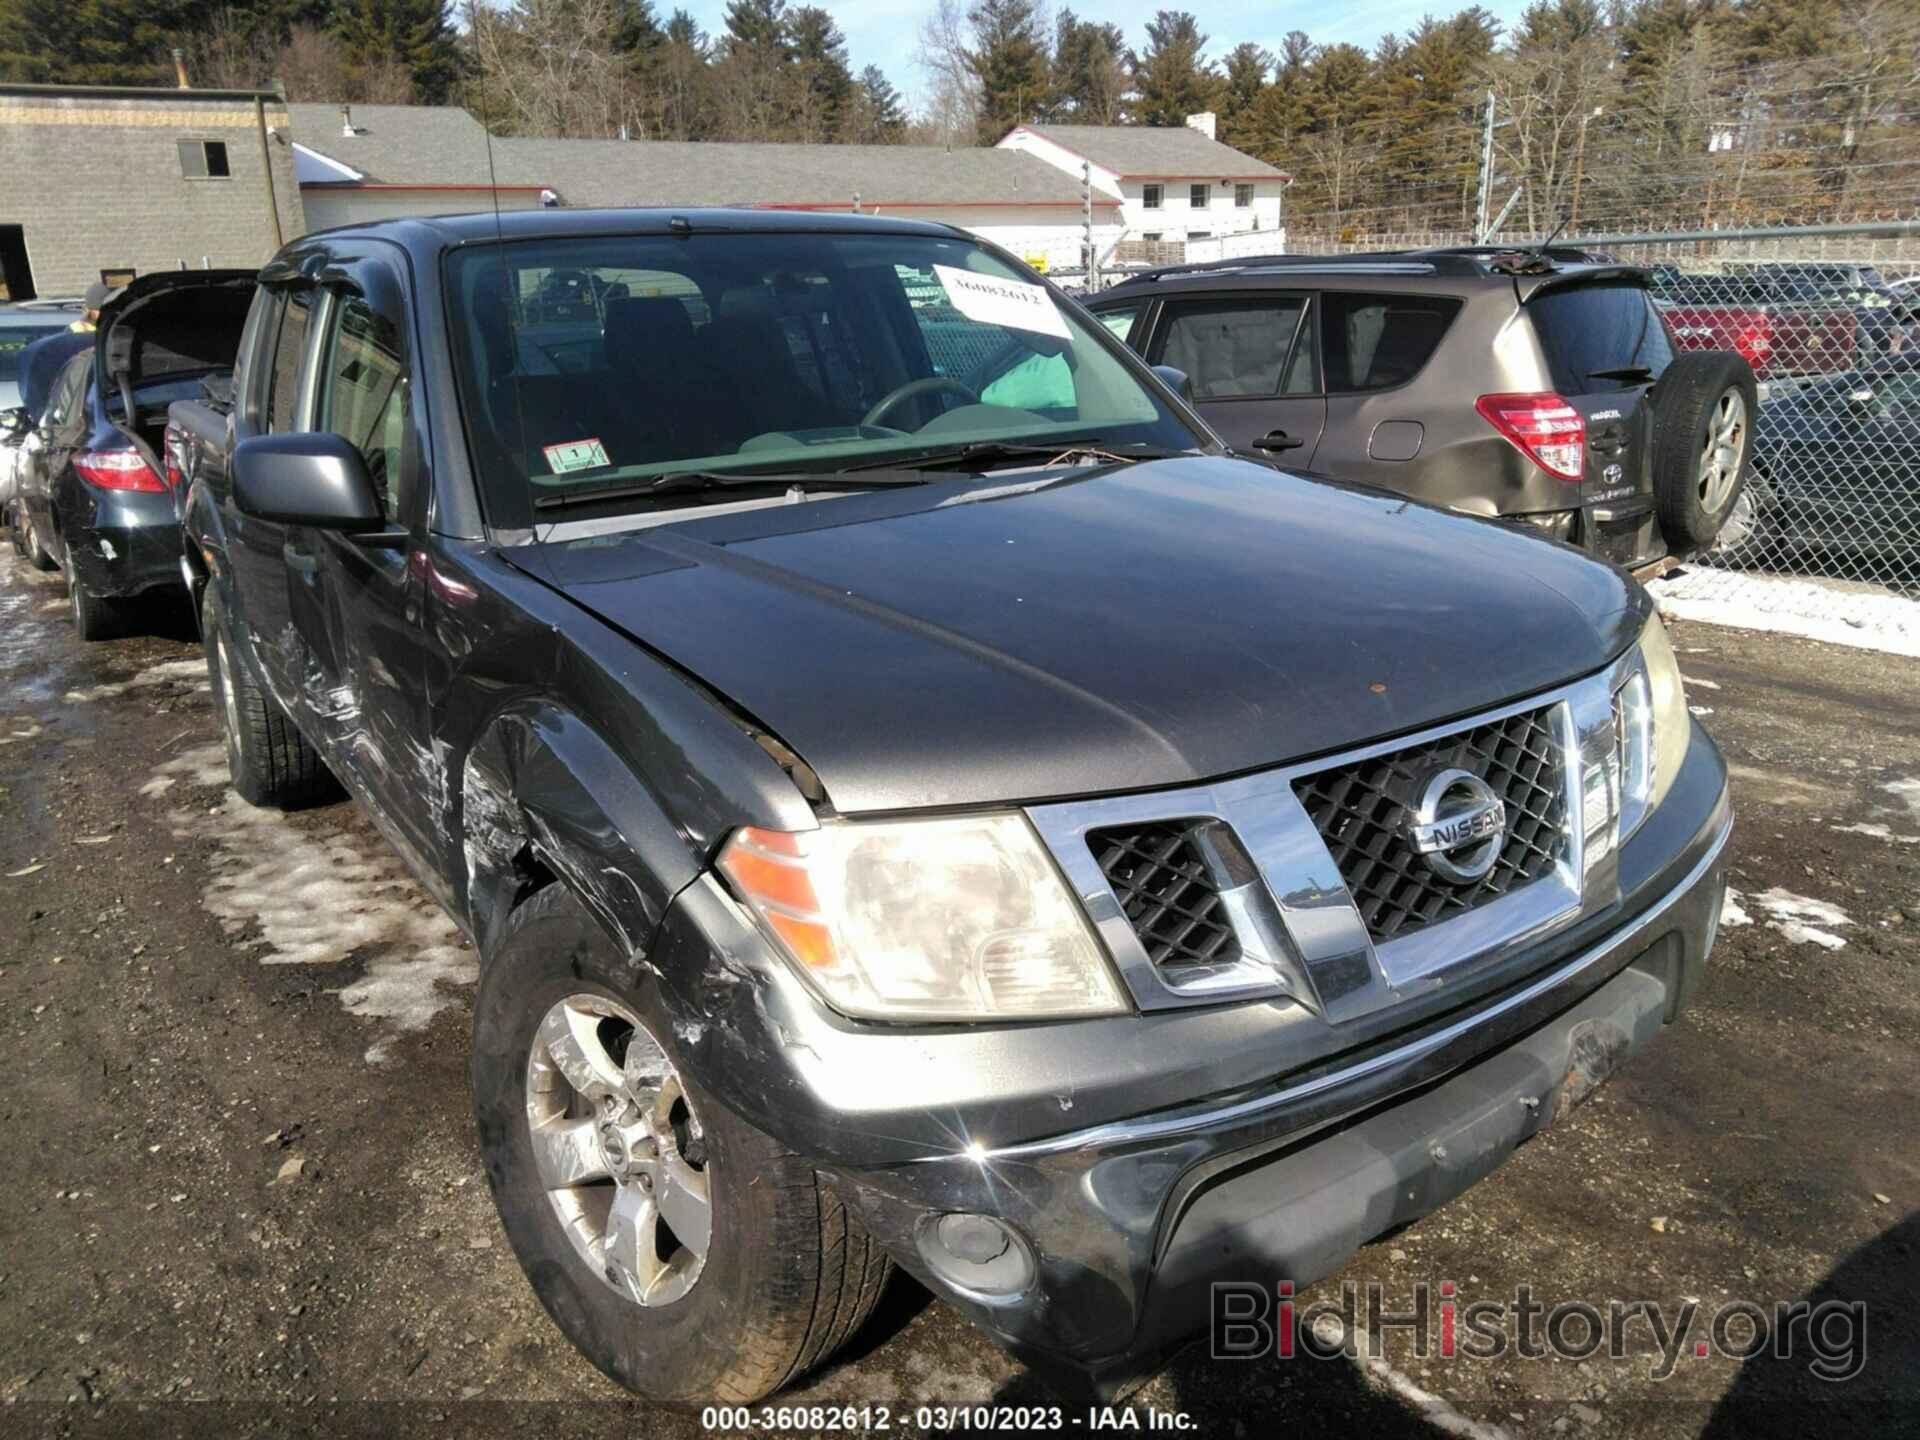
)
(239, 1191)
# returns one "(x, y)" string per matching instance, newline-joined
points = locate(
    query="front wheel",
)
(687, 1254)
(36, 553)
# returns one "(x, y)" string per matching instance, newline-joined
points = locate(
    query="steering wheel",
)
(932, 385)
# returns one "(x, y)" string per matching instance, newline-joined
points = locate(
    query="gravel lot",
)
(238, 1166)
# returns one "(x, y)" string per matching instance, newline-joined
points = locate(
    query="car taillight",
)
(170, 454)
(117, 470)
(1545, 428)
(1755, 343)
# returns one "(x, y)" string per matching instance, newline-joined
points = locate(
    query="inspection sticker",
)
(993, 301)
(576, 455)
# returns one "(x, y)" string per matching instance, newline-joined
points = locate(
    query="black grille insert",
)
(1168, 890)
(1361, 812)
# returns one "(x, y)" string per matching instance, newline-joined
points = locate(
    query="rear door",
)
(1605, 346)
(274, 402)
(63, 433)
(1253, 365)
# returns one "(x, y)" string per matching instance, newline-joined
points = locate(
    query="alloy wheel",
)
(619, 1150)
(1725, 449)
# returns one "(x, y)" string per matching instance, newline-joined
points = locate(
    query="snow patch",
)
(1693, 684)
(321, 897)
(1907, 792)
(191, 674)
(1802, 919)
(204, 766)
(1875, 832)
(1833, 611)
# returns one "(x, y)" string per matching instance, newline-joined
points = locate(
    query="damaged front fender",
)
(544, 796)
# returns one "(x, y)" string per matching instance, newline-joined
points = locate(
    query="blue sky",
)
(885, 32)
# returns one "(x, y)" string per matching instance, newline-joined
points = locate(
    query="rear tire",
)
(269, 759)
(94, 616)
(1703, 419)
(37, 555)
(787, 1273)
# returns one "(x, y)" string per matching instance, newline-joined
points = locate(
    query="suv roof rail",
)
(1379, 262)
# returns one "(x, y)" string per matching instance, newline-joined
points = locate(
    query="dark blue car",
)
(95, 490)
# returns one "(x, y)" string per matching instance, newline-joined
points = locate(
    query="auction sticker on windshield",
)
(575, 455)
(993, 301)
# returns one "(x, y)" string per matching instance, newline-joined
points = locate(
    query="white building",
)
(1175, 185)
(376, 161)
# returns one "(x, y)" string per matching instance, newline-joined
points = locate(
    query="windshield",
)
(588, 361)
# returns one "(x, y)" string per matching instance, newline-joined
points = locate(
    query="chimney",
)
(180, 69)
(1203, 122)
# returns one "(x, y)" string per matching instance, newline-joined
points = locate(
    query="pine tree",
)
(1172, 76)
(1246, 76)
(880, 118)
(1089, 71)
(822, 80)
(416, 33)
(1009, 58)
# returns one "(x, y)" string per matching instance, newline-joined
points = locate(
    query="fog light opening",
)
(979, 1256)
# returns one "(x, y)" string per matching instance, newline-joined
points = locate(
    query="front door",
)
(357, 599)
(1252, 363)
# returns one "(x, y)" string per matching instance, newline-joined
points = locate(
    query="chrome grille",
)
(1168, 891)
(1361, 810)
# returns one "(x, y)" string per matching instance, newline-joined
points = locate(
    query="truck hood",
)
(1159, 624)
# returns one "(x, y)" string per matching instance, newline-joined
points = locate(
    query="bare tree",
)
(953, 90)
(549, 67)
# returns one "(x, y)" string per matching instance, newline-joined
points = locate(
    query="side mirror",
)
(1861, 398)
(1176, 380)
(315, 479)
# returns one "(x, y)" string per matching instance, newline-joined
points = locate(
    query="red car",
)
(1777, 337)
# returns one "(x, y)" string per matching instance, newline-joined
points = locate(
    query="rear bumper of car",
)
(1108, 1172)
(131, 544)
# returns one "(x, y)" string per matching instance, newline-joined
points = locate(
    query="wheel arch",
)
(545, 799)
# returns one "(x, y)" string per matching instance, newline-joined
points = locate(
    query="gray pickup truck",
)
(918, 800)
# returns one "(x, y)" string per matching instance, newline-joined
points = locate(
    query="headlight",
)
(1650, 710)
(961, 919)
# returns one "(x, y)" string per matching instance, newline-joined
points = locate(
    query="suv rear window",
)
(1374, 342)
(1597, 336)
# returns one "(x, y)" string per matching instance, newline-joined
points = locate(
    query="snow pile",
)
(1803, 920)
(1839, 613)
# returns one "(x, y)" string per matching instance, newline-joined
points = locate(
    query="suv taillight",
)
(117, 470)
(1545, 428)
(170, 450)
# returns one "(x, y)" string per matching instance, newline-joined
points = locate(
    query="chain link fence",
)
(1829, 523)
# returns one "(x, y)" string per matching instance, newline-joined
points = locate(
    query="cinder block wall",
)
(95, 180)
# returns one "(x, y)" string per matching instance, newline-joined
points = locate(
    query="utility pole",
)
(1580, 169)
(1086, 222)
(1486, 176)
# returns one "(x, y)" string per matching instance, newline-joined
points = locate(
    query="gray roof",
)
(1151, 151)
(445, 145)
(664, 172)
(398, 144)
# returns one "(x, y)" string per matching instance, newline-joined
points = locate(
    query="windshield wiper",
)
(1622, 372)
(680, 482)
(988, 451)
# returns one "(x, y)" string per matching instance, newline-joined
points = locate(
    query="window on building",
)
(1199, 234)
(1154, 237)
(1243, 197)
(1201, 197)
(204, 160)
(1151, 196)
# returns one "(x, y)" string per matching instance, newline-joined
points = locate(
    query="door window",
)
(363, 392)
(1234, 348)
(1374, 342)
(1119, 322)
(283, 384)
(69, 392)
